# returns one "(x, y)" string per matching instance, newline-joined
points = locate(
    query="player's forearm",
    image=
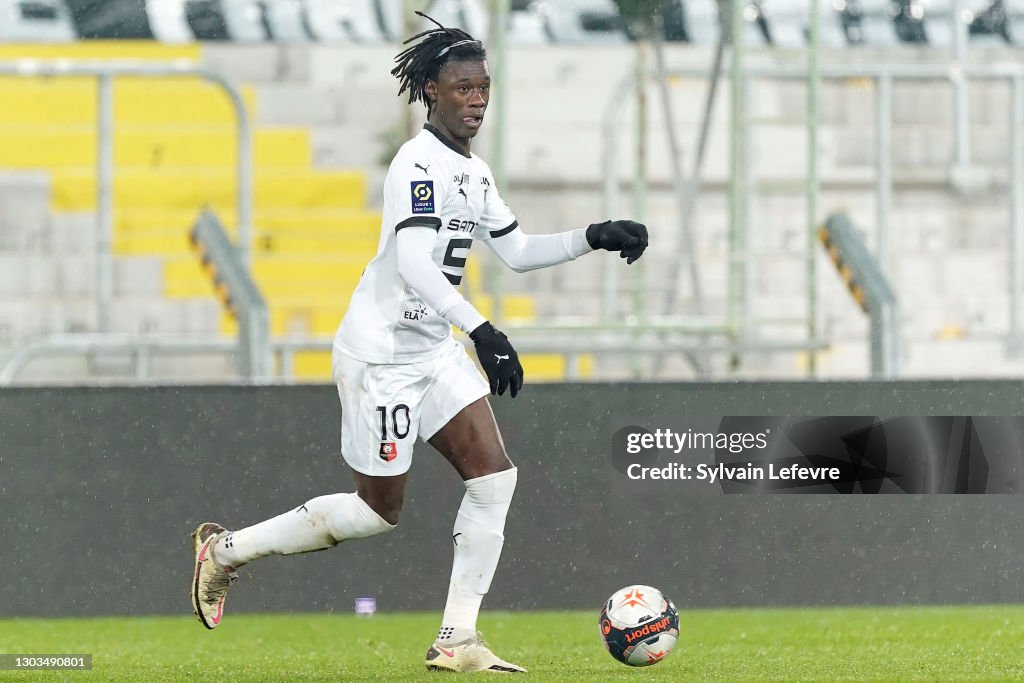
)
(522, 252)
(426, 279)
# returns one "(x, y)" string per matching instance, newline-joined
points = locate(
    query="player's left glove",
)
(629, 238)
(498, 359)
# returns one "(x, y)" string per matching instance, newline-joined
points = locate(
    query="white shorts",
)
(385, 407)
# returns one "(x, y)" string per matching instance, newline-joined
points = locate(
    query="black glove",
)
(629, 238)
(499, 360)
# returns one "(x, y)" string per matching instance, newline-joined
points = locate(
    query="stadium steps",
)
(72, 100)
(133, 50)
(274, 188)
(28, 146)
(174, 153)
(327, 222)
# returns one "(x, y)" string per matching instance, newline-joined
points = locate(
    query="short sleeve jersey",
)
(430, 183)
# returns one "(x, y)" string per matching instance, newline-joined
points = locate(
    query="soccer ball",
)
(639, 625)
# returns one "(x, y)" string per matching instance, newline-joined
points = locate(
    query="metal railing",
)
(870, 289)
(238, 292)
(883, 76)
(142, 349)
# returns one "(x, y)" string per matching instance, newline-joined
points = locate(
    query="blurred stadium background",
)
(123, 120)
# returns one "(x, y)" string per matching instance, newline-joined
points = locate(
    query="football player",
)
(400, 373)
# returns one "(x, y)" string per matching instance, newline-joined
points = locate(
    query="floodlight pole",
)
(104, 201)
(961, 95)
(737, 182)
(499, 15)
(813, 183)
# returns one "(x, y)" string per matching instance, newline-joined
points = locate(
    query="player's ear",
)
(431, 90)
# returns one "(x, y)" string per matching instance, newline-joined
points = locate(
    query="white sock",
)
(321, 523)
(478, 538)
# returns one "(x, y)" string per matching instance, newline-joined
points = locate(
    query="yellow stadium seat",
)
(143, 188)
(183, 101)
(70, 100)
(302, 316)
(328, 223)
(312, 365)
(49, 147)
(300, 242)
(277, 270)
(553, 367)
(514, 306)
(186, 277)
(134, 50)
(158, 242)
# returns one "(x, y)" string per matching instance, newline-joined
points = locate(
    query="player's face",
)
(460, 95)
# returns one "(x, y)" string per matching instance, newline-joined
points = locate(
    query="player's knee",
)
(390, 515)
(387, 508)
(482, 462)
(493, 489)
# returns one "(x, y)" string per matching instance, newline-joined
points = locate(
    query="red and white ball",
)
(639, 625)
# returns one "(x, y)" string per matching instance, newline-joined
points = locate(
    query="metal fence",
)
(883, 77)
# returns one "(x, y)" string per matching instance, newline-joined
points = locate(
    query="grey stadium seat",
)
(702, 23)
(526, 25)
(987, 23)
(909, 21)
(583, 21)
(830, 25)
(788, 20)
(330, 21)
(288, 21)
(242, 21)
(757, 31)
(356, 21)
(1015, 21)
(938, 22)
(167, 21)
(876, 22)
(469, 15)
(35, 21)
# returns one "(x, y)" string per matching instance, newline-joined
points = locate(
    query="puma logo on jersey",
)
(423, 168)
(501, 358)
(464, 195)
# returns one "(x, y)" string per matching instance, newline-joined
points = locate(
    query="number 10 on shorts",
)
(399, 429)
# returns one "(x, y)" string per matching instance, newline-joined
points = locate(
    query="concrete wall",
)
(101, 487)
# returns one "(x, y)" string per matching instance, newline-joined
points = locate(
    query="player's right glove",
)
(498, 359)
(629, 238)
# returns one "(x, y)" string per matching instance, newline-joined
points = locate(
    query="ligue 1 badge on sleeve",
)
(388, 451)
(422, 196)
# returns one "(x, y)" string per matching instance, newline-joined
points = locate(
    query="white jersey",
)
(430, 183)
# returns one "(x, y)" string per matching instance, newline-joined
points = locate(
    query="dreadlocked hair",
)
(423, 61)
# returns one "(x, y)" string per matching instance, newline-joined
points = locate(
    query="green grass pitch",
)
(819, 644)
